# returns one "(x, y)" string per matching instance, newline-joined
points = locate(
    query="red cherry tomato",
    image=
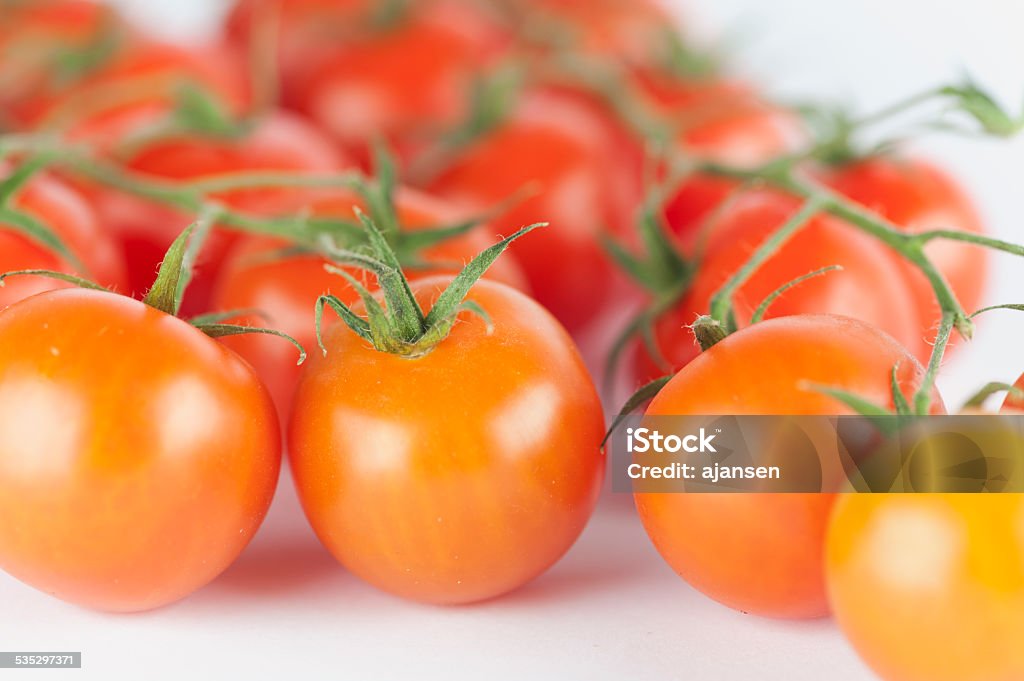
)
(870, 286)
(33, 34)
(285, 288)
(279, 142)
(722, 121)
(69, 217)
(918, 197)
(137, 456)
(564, 155)
(930, 587)
(764, 553)
(459, 475)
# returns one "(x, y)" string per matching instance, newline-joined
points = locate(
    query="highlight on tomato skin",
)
(138, 457)
(257, 275)
(459, 475)
(72, 220)
(763, 553)
(930, 587)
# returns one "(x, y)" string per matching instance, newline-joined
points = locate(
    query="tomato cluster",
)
(349, 174)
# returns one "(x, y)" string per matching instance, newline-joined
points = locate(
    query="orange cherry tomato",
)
(930, 587)
(764, 553)
(459, 475)
(870, 287)
(918, 197)
(285, 288)
(55, 205)
(137, 456)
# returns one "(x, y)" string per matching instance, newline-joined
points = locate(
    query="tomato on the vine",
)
(278, 142)
(764, 553)
(71, 219)
(930, 587)
(1015, 403)
(870, 286)
(257, 275)
(403, 79)
(563, 156)
(137, 456)
(461, 422)
(917, 196)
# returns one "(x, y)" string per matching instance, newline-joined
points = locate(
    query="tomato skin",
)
(869, 287)
(930, 587)
(280, 142)
(560, 146)
(403, 85)
(286, 289)
(763, 553)
(458, 476)
(918, 196)
(126, 514)
(70, 217)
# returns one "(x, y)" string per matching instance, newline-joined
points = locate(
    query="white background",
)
(611, 609)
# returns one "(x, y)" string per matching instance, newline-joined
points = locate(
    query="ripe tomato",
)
(404, 84)
(137, 456)
(458, 475)
(135, 86)
(721, 121)
(39, 41)
(919, 197)
(870, 287)
(279, 142)
(634, 31)
(930, 587)
(285, 288)
(70, 217)
(560, 147)
(763, 553)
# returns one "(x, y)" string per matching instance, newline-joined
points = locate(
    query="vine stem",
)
(923, 396)
(721, 302)
(784, 176)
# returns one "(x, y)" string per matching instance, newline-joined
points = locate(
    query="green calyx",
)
(400, 326)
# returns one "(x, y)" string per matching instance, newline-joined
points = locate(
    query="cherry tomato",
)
(564, 155)
(285, 288)
(459, 475)
(869, 287)
(763, 553)
(919, 197)
(722, 121)
(40, 40)
(278, 142)
(930, 587)
(636, 32)
(137, 456)
(403, 82)
(55, 205)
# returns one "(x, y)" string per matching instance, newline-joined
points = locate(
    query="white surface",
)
(611, 609)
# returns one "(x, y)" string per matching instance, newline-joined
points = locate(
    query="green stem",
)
(923, 396)
(721, 302)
